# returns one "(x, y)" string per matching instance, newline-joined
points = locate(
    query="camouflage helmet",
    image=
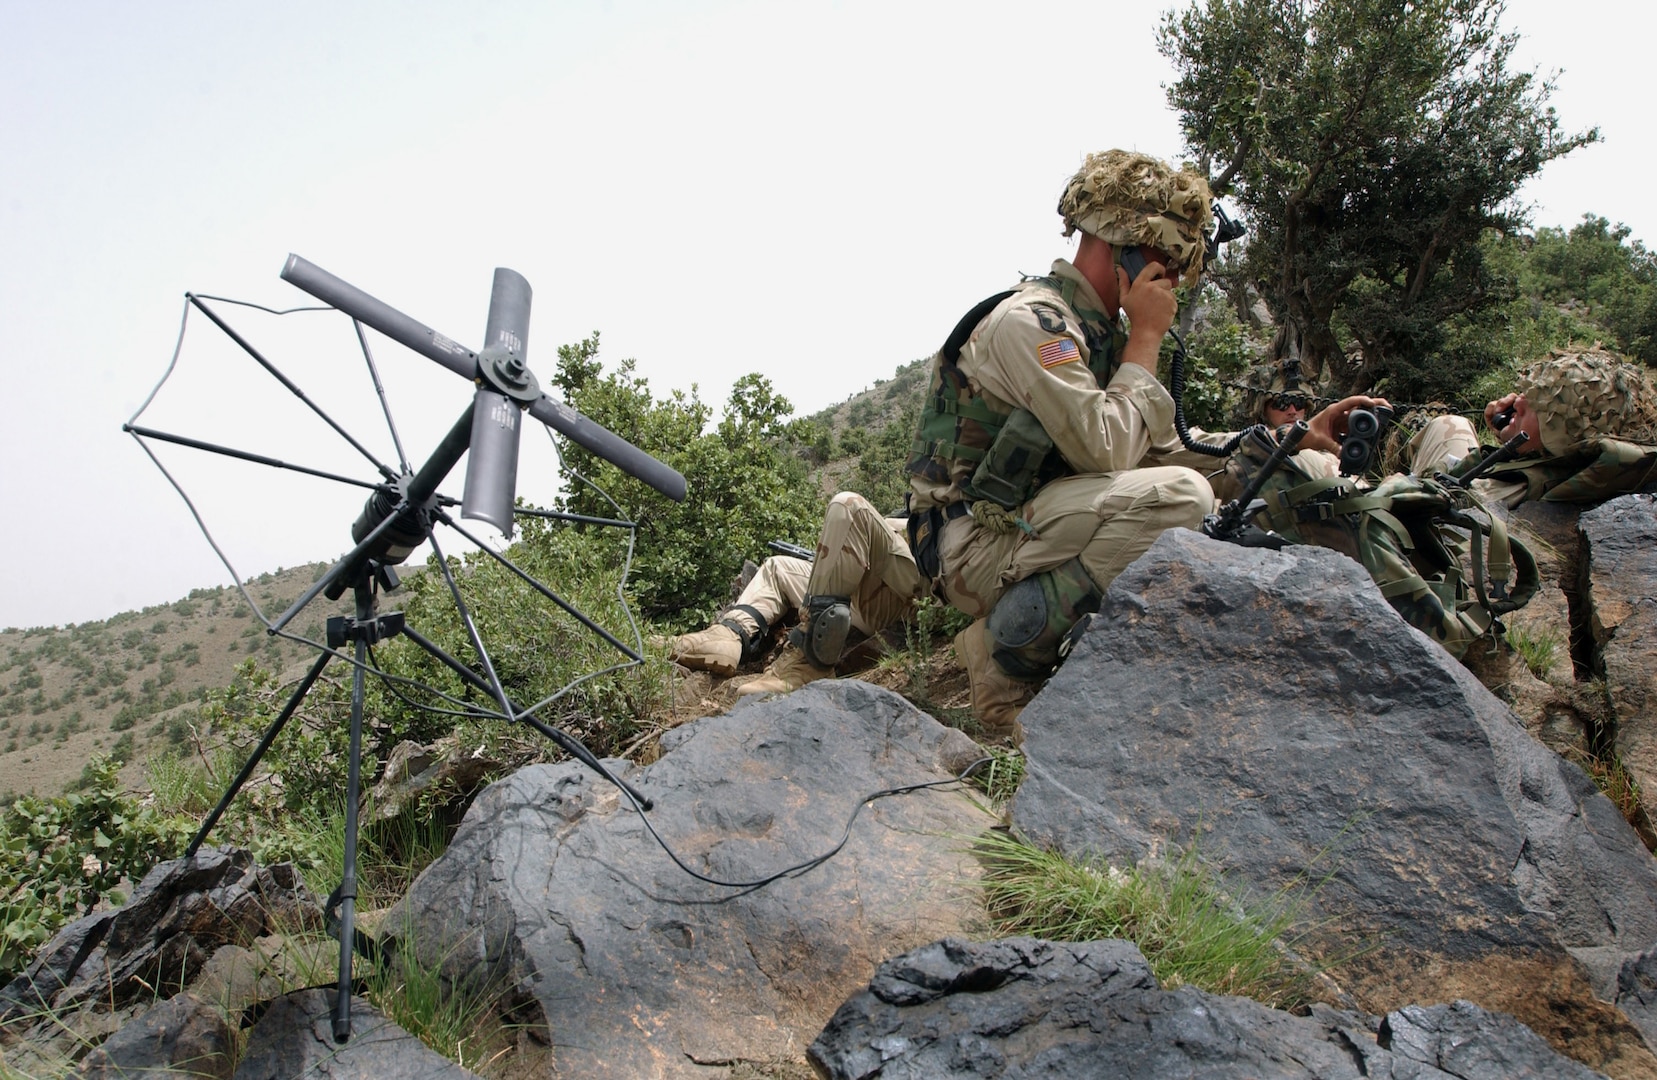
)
(1588, 395)
(1266, 381)
(1126, 198)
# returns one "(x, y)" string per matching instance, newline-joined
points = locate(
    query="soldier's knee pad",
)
(828, 624)
(1030, 623)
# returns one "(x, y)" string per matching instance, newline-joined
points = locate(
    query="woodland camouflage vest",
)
(1591, 471)
(958, 427)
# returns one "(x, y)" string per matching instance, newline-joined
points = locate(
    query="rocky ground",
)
(1474, 906)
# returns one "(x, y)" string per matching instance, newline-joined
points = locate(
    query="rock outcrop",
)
(1026, 1007)
(101, 970)
(629, 966)
(182, 1038)
(294, 1038)
(1272, 709)
(1619, 594)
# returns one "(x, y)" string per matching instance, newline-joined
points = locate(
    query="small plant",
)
(1178, 914)
(1536, 647)
(460, 1021)
(1000, 776)
(932, 621)
(59, 857)
(1610, 774)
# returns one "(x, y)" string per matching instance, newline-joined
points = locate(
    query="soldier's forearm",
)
(1141, 351)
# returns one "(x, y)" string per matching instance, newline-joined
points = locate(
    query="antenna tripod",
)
(366, 628)
(399, 516)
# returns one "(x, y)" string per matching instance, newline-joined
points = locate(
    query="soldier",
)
(1045, 459)
(1591, 422)
(863, 579)
(1279, 397)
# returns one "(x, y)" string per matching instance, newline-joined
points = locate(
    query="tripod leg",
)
(348, 879)
(271, 732)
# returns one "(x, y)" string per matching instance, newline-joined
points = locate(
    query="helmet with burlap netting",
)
(1273, 380)
(1126, 198)
(1588, 395)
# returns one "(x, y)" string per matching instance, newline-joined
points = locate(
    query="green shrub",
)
(746, 478)
(60, 856)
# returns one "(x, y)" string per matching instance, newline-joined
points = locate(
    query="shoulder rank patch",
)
(1050, 320)
(1056, 352)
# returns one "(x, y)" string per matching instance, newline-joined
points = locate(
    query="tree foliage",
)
(1598, 266)
(1371, 143)
(746, 478)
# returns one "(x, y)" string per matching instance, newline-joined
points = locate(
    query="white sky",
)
(812, 190)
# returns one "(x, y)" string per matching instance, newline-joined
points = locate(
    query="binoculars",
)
(1364, 428)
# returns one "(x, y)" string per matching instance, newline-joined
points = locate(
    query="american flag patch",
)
(1056, 352)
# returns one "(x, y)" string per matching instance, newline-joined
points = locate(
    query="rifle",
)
(1506, 452)
(1232, 521)
(783, 547)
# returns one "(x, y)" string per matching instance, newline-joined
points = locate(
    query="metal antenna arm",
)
(464, 362)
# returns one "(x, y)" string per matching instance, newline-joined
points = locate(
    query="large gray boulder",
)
(1272, 708)
(1619, 597)
(182, 1038)
(627, 965)
(1022, 1007)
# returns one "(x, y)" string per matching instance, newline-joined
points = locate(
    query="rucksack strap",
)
(969, 322)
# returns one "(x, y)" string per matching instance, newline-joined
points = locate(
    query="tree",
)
(1616, 280)
(1370, 143)
(747, 480)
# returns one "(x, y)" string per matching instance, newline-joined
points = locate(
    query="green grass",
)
(1536, 647)
(1000, 776)
(462, 1023)
(1610, 774)
(1178, 914)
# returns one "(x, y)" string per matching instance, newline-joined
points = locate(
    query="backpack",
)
(1410, 533)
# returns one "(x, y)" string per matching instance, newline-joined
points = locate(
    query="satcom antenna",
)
(399, 516)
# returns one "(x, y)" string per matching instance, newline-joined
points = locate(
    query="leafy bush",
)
(879, 476)
(746, 480)
(60, 856)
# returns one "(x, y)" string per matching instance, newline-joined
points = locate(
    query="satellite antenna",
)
(403, 507)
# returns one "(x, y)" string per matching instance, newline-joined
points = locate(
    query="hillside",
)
(133, 680)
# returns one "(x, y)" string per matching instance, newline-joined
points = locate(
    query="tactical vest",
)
(958, 429)
(1405, 533)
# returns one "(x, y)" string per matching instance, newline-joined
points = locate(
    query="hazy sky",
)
(812, 190)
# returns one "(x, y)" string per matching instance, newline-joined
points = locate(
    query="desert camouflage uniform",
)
(1095, 482)
(1051, 349)
(865, 556)
(860, 554)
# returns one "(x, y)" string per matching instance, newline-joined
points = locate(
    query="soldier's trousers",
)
(860, 554)
(865, 556)
(1452, 437)
(1105, 519)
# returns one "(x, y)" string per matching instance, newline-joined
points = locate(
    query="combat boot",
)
(790, 671)
(717, 649)
(997, 698)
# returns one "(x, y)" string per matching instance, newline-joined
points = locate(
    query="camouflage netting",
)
(1588, 395)
(1126, 198)
(1264, 382)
